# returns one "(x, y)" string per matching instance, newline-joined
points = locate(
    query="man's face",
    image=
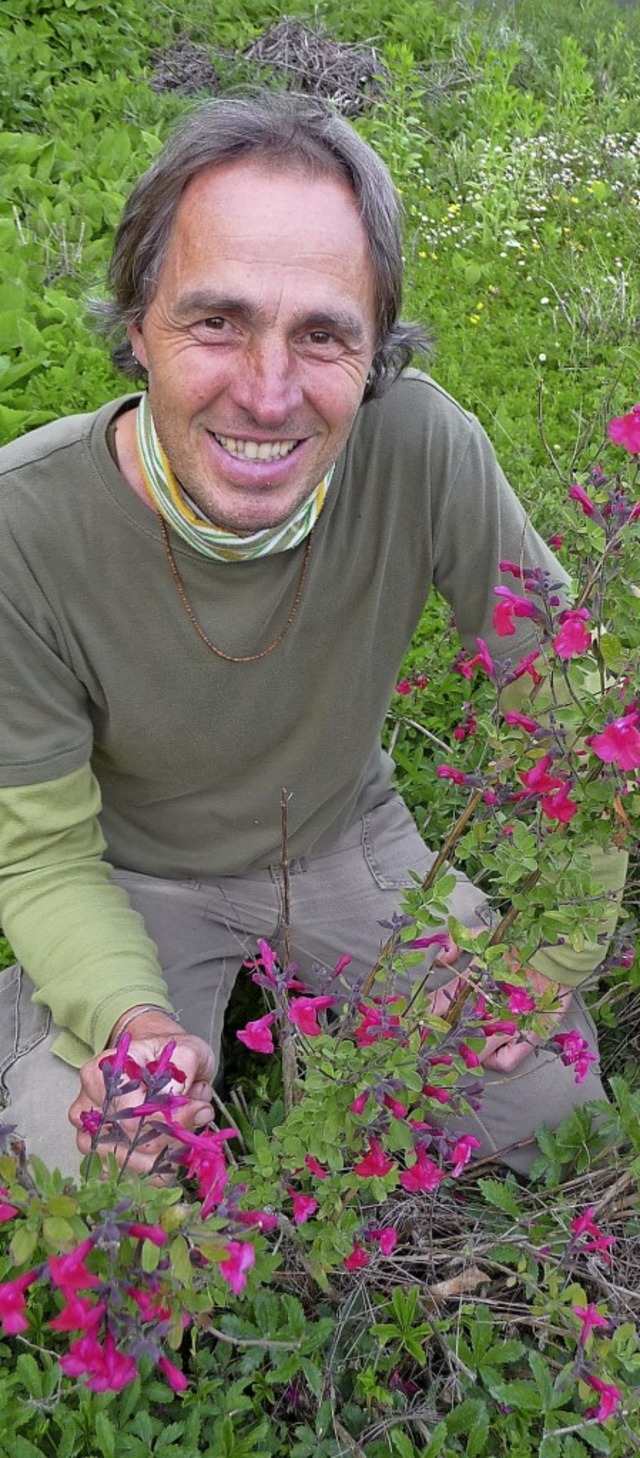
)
(259, 338)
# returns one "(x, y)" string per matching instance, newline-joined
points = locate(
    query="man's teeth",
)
(250, 450)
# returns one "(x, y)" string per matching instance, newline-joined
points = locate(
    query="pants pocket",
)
(23, 1023)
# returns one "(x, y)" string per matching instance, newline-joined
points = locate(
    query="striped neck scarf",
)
(180, 512)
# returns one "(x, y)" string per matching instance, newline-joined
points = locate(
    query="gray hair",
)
(293, 131)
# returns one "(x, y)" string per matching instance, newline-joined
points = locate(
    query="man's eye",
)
(215, 323)
(321, 336)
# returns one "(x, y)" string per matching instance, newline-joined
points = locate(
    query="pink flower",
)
(556, 541)
(375, 1164)
(619, 743)
(154, 1233)
(527, 665)
(559, 806)
(117, 1064)
(575, 1051)
(359, 1103)
(438, 939)
(447, 772)
(598, 1244)
(341, 964)
(512, 606)
(470, 1058)
(624, 430)
(513, 568)
(481, 659)
(357, 1259)
(610, 1396)
(7, 1210)
(578, 493)
(241, 1257)
(79, 1313)
(262, 1219)
(302, 1012)
(304, 1206)
(387, 1239)
(108, 1369)
(172, 1374)
(462, 1153)
(518, 999)
(404, 687)
(70, 1272)
(13, 1304)
(257, 1034)
(398, 1110)
(150, 1308)
(441, 1095)
(537, 781)
(522, 721)
(423, 1175)
(205, 1161)
(574, 637)
(315, 1167)
(590, 1318)
(163, 1064)
(92, 1121)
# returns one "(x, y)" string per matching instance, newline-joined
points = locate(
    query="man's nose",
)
(267, 384)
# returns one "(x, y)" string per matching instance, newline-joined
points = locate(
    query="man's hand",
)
(149, 1034)
(502, 1053)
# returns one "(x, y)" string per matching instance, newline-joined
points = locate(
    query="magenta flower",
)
(448, 772)
(441, 1095)
(7, 1210)
(172, 1374)
(574, 637)
(522, 721)
(341, 964)
(619, 743)
(624, 430)
(558, 806)
(556, 541)
(423, 1175)
(398, 1110)
(357, 1259)
(575, 1052)
(610, 1396)
(79, 1313)
(107, 1369)
(537, 780)
(13, 1303)
(590, 1318)
(92, 1121)
(70, 1272)
(387, 1239)
(257, 1034)
(481, 659)
(241, 1257)
(513, 568)
(261, 1219)
(578, 493)
(470, 1058)
(527, 665)
(302, 1012)
(315, 1167)
(163, 1064)
(304, 1206)
(154, 1233)
(518, 999)
(404, 687)
(358, 1104)
(599, 1244)
(462, 1153)
(512, 606)
(204, 1160)
(375, 1164)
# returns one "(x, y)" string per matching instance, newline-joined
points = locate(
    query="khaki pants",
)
(339, 902)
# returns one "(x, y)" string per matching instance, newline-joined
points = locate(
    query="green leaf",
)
(105, 1435)
(499, 1194)
(58, 1233)
(22, 1245)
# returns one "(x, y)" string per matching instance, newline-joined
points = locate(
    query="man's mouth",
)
(252, 450)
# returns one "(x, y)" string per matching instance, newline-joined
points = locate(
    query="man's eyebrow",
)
(205, 304)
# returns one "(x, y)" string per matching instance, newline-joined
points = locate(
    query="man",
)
(207, 595)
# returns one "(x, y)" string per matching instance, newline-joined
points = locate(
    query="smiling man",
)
(207, 590)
